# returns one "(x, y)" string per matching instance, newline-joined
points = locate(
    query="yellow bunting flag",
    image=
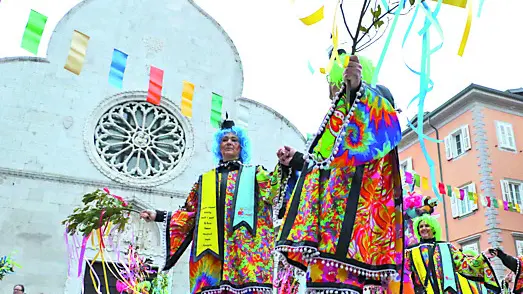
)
(456, 193)
(466, 33)
(313, 18)
(518, 208)
(475, 197)
(187, 94)
(425, 183)
(76, 57)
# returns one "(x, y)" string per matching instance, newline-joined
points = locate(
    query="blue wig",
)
(245, 144)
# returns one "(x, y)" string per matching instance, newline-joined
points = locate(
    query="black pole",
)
(441, 178)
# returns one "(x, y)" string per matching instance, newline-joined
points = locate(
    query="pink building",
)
(482, 131)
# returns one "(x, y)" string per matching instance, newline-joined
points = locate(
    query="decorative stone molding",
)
(137, 143)
(48, 177)
(486, 182)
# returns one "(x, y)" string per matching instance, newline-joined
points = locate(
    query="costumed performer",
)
(343, 223)
(439, 267)
(414, 205)
(228, 218)
(514, 264)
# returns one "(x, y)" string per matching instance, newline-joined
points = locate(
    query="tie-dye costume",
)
(243, 263)
(439, 267)
(343, 221)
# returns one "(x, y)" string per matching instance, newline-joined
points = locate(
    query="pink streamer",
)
(82, 253)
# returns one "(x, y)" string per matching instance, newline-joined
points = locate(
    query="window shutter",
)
(466, 137)
(519, 247)
(409, 164)
(500, 129)
(511, 142)
(448, 147)
(454, 205)
(472, 188)
(505, 190)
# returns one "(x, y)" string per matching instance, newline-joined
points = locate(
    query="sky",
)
(275, 48)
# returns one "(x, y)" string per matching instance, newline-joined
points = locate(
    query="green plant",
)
(99, 208)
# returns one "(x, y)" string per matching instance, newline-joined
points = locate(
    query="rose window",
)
(139, 143)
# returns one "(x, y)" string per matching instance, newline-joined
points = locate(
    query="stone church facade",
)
(65, 135)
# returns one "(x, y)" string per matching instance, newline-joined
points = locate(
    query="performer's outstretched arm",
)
(179, 226)
(475, 268)
(509, 261)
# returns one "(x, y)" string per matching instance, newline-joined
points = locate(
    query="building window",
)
(406, 165)
(519, 247)
(458, 142)
(466, 206)
(137, 143)
(469, 247)
(505, 134)
(512, 191)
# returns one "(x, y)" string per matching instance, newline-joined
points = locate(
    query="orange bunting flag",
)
(75, 59)
(187, 95)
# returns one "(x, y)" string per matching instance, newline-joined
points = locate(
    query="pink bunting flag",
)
(408, 178)
(505, 205)
(461, 194)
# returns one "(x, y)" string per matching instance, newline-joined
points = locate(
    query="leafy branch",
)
(99, 208)
(379, 24)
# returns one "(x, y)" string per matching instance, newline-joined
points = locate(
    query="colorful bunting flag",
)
(408, 178)
(424, 183)
(416, 180)
(495, 203)
(76, 57)
(475, 196)
(117, 70)
(449, 190)
(518, 208)
(33, 32)
(471, 196)
(216, 110)
(187, 95)
(505, 205)
(154, 95)
(461, 194)
(488, 201)
(442, 189)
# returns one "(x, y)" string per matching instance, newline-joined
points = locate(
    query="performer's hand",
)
(352, 74)
(491, 252)
(148, 215)
(285, 155)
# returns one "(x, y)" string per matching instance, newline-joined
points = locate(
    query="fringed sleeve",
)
(476, 268)
(178, 227)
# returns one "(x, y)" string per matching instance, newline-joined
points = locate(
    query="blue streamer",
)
(426, 84)
(117, 68)
(480, 9)
(387, 43)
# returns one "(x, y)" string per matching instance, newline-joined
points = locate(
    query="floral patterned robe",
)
(429, 277)
(245, 262)
(343, 224)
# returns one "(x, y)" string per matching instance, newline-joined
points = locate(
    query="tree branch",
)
(377, 20)
(362, 14)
